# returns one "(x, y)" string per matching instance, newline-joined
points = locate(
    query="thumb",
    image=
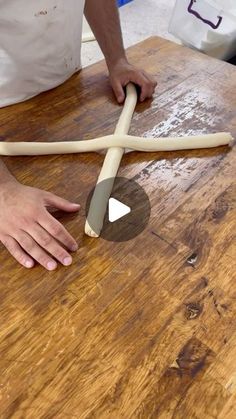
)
(61, 203)
(119, 91)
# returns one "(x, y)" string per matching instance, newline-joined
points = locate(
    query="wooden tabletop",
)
(144, 328)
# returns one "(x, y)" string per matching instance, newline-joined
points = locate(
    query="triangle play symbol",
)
(117, 210)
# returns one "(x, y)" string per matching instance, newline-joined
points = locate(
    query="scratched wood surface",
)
(145, 328)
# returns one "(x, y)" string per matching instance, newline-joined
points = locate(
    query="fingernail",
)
(51, 266)
(29, 264)
(67, 261)
(74, 247)
(76, 205)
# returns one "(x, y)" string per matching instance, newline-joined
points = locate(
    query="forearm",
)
(5, 175)
(103, 17)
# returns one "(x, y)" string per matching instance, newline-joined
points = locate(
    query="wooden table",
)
(144, 328)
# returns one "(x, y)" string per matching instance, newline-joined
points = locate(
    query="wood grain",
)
(145, 328)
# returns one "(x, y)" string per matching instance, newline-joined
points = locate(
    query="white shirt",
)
(40, 43)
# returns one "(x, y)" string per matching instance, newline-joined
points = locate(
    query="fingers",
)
(47, 242)
(60, 203)
(29, 245)
(56, 230)
(146, 82)
(119, 91)
(34, 234)
(37, 244)
(147, 85)
(17, 252)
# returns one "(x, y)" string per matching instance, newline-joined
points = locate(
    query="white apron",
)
(40, 43)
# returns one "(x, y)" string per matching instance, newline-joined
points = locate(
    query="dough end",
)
(89, 231)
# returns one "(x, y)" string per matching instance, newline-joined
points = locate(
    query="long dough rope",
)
(98, 204)
(123, 141)
(115, 145)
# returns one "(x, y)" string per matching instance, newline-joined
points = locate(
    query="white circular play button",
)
(127, 213)
(117, 210)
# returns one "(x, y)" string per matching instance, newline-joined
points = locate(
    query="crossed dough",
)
(115, 145)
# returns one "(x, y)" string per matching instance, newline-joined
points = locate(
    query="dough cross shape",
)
(115, 145)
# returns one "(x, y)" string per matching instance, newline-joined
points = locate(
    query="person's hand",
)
(28, 231)
(122, 72)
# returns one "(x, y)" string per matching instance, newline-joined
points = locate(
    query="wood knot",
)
(205, 281)
(220, 209)
(64, 301)
(192, 259)
(193, 310)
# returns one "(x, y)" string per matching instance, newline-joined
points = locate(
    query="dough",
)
(115, 145)
(116, 141)
(98, 204)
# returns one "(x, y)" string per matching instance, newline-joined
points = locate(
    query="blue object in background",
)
(122, 2)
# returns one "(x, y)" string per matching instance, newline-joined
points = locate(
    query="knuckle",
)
(21, 257)
(55, 229)
(24, 221)
(34, 215)
(43, 259)
(26, 243)
(45, 240)
(60, 255)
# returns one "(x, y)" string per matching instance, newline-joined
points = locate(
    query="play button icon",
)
(127, 213)
(117, 210)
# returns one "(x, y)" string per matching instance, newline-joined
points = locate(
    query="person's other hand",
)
(123, 73)
(29, 232)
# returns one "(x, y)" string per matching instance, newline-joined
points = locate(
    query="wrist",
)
(116, 61)
(6, 179)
